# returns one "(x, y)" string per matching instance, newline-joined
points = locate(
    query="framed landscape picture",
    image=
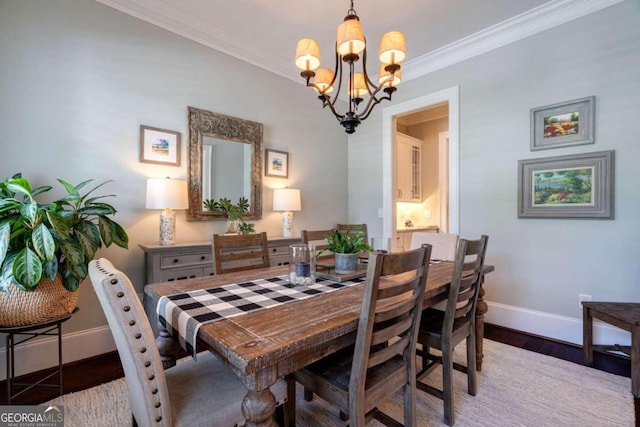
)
(563, 124)
(159, 146)
(575, 186)
(276, 163)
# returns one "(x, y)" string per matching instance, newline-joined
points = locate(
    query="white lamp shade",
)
(166, 193)
(286, 199)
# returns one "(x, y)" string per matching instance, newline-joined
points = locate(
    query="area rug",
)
(515, 388)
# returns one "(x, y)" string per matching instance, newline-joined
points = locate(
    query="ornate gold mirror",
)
(225, 160)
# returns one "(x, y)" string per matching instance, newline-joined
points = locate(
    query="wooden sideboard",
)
(195, 259)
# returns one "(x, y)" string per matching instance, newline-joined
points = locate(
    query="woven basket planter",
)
(49, 301)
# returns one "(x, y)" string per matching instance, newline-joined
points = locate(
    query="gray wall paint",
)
(541, 264)
(77, 79)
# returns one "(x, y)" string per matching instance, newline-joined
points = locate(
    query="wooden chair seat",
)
(624, 315)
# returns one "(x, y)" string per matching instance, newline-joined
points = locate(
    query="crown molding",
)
(534, 21)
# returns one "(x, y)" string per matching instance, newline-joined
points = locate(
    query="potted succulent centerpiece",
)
(45, 248)
(346, 247)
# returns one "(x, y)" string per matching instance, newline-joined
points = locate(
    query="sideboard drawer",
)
(176, 261)
(172, 274)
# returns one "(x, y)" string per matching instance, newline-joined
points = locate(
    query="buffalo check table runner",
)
(183, 314)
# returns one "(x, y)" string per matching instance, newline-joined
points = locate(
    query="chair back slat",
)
(240, 252)
(383, 353)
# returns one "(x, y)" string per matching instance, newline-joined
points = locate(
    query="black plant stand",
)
(50, 328)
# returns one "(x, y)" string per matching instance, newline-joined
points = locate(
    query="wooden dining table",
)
(270, 343)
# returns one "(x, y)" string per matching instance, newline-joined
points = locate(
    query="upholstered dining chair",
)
(444, 330)
(237, 252)
(193, 393)
(357, 379)
(444, 244)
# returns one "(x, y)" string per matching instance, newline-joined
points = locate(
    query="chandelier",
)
(350, 43)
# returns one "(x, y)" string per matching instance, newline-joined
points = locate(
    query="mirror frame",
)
(206, 123)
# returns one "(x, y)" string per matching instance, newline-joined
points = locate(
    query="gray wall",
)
(541, 264)
(77, 79)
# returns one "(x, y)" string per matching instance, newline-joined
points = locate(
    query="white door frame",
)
(389, 114)
(443, 180)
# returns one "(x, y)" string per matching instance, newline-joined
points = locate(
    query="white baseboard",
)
(43, 353)
(553, 326)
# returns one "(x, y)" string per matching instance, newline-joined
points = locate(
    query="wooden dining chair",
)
(317, 238)
(357, 379)
(443, 330)
(192, 393)
(444, 244)
(238, 252)
(354, 228)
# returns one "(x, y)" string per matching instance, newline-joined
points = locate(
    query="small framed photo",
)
(159, 146)
(574, 186)
(276, 163)
(563, 124)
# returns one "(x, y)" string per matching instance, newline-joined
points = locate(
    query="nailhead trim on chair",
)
(137, 335)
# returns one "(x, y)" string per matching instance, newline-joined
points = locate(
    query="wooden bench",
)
(624, 315)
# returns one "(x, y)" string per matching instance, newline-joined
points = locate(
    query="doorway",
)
(390, 119)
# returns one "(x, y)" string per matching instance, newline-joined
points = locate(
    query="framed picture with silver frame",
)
(564, 124)
(159, 146)
(573, 186)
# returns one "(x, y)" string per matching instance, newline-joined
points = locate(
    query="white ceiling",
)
(438, 32)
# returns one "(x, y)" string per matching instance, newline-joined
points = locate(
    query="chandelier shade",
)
(362, 94)
(392, 48)
(307, 54)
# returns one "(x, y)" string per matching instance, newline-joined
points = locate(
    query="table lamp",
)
(286, 200)
(167, 194)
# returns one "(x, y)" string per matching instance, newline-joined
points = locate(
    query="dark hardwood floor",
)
(104, 368)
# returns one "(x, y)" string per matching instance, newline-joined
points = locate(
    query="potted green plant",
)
(45, 244)
(234, 213)
(346, 247)
(246, 228)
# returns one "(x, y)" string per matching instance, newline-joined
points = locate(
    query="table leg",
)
(258, 408)
(167, 347)
(587, 336)
(481, 309)
(635, 362)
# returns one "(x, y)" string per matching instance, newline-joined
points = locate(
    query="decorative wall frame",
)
(276, 163)
(564, 124)
(574, 186)
(159, 146)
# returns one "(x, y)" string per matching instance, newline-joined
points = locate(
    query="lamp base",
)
(287, 224)
(168, 227)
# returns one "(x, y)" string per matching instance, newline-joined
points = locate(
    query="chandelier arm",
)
(367, 80)
(373, 101)
(337, 69)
